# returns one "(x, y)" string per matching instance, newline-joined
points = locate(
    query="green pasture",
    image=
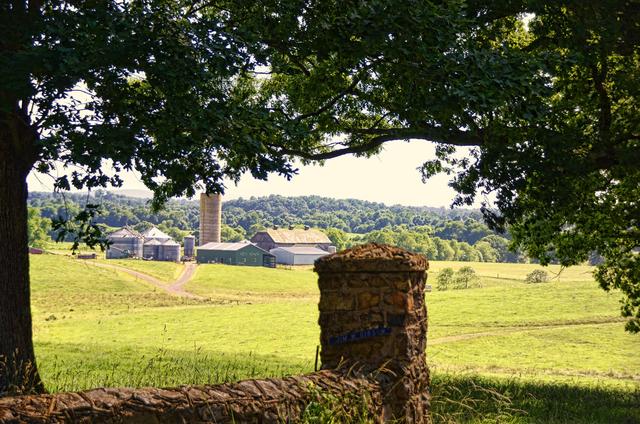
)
(254, 282)
(162, 270)
(96, 327)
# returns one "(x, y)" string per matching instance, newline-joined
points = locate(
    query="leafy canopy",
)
(190, 92)
(549, 108)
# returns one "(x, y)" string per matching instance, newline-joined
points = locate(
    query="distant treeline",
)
(439, 233)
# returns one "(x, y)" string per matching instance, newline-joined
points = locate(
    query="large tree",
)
(188, 92)
(545, 95)
(103, 86)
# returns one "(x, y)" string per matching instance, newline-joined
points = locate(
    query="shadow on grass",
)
(475, 399)
(456, 398)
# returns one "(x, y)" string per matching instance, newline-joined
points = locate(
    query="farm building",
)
(125, 243)
(243, 253)
(151, 249)
(275, 237)
(155, 233)
(189, 246)
(169, 250)
(152, 244)
(297, 255)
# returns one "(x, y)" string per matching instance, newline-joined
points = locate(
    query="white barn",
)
(297, 255)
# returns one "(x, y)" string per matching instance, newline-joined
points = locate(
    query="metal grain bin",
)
(125, 243)
(189, 246)
(151, 249)
(169, 251)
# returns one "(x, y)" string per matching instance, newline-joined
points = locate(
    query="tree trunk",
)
(18, 372)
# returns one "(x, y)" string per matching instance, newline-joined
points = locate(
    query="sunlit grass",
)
(527, 343)
(163, 270)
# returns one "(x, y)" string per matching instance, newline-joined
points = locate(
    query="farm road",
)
(175, 288)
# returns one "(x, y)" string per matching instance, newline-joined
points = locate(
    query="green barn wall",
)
(248, 256)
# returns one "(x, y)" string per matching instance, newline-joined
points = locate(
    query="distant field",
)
(163, 271)
(109, 329)
(259, 282)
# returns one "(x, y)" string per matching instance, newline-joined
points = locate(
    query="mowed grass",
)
(162, 270)
(65, 287)
(524, 342)
(215, 280)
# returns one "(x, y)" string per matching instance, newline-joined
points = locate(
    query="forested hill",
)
(349, 215)
(437, 232)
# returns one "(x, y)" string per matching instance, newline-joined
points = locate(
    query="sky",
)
(390, 177)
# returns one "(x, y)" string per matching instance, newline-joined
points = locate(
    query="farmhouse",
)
(242, 253)
(275, 237)
(297, 255)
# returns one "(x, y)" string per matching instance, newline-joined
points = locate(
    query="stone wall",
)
(271, 401)
(373, 324)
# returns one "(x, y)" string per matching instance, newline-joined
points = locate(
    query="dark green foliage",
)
(549, 109)
(418, 229)
(537, 276)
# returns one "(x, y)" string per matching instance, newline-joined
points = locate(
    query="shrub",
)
(444, 280)
(466, 278)
(537, 276)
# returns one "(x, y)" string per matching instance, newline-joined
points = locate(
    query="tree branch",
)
(331, 102)
(436, 135)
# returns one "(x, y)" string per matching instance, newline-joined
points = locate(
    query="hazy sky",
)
(391, 178)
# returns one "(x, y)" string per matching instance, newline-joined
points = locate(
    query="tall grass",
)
(456, 398)
(162, 368)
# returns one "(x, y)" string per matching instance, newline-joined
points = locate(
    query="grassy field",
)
(163, 271)
(506, 352)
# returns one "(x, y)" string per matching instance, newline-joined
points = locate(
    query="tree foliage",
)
(444, 279)
(418, 229)
(191, 92)
(537, 276)
(38, 228)
(549, 109)
(464, 278)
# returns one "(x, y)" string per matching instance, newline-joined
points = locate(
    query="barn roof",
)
(302, 250)
(125, 232)
(297, 236)
(170, 242)
(156, 233)
(228, 246)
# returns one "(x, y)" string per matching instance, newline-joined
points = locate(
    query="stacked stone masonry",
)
(373, 295)
(373, 325)
(268, 401)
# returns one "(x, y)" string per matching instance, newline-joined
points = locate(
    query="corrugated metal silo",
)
(169, 251)
(189, 246)
(125, 243)
(151, 248)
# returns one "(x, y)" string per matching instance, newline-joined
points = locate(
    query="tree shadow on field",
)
(470, 399)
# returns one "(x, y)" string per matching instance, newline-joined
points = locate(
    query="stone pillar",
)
(373, 319)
